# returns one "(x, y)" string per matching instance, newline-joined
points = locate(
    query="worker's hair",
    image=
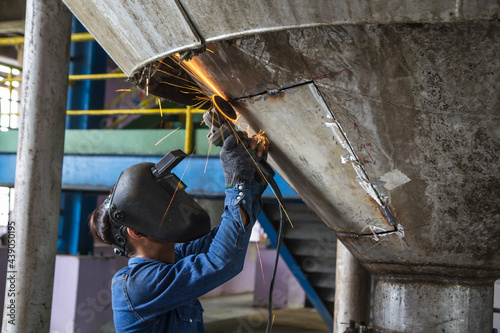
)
(100, 227)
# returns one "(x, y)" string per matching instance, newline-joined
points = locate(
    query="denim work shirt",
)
(154, 296)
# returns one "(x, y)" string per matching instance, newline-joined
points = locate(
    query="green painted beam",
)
(8, 142)
(120, 142)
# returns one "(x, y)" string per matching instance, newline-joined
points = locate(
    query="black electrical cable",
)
(268, 173)
(278, 246)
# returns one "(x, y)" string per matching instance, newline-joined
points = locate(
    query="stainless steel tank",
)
(383, 116)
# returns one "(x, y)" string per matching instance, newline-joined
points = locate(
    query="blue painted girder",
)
(296, 270)
(202, 175)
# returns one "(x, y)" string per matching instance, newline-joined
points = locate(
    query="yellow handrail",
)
(121, 111)
(188, 141)
(189, 111)
(132, 111)
(103, 76)
(77, 37)
(83, 37)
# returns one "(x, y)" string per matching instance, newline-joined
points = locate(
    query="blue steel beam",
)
(204, 177)
(296, 271)
(86, 58)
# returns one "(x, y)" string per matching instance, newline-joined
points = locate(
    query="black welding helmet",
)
(151, 200)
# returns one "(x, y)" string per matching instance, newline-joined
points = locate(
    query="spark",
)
(161, 61)
(263, 176)
(159, 104)
(262, 139)
(208, 154)
(167, 136)
(196, 72)
(117, 90)
(199, 104)
(260, 260)
(177, 77)
(183, 87)
(176, 188)
(209, 145)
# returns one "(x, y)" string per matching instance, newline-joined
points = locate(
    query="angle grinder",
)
(220, 120)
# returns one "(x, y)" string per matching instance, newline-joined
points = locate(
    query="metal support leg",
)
(30, 274)
(352, 290)
(432, 304)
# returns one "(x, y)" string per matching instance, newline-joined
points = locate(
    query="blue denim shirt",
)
(154, 296)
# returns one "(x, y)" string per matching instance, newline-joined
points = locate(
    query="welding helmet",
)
(151, 200)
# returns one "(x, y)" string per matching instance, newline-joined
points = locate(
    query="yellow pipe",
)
(130, 111)
(10, 94)
(119, 98)
(78, 37)
(10, 79)
(188, 141)
(81, 37)
(104, 76)
(119, 111)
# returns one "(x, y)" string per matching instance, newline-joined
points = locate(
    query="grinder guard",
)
(142, 200)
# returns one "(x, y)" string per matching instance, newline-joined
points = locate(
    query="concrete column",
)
(432, 304)
(33, 231)
(352, 291)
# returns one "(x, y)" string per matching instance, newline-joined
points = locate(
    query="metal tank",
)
(383, 116)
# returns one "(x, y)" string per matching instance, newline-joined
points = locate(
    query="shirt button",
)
(240, 194)
(243, 201)
(190, 320)
(240, 187)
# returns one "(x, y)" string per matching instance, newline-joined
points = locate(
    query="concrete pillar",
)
(33, 231)
(352, 291)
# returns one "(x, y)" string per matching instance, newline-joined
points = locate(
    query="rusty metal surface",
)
(136, 32)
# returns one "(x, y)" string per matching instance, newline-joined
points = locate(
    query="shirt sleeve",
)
(195, 247)
(202, 245)
(159, 287)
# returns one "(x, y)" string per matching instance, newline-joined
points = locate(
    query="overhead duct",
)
(383, 117)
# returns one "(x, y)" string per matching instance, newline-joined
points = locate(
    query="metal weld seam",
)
(459, 9)
(358, 167)
(267, 91)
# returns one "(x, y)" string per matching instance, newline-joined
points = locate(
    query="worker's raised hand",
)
(237, 160)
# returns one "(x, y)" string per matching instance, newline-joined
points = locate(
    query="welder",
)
(174, 257)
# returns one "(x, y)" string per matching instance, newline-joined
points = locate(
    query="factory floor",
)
(237, 314)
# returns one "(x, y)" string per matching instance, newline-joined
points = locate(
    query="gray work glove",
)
(238, 166)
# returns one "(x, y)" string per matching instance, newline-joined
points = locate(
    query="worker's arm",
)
(194, 275)
(203, 244)
(167, 286)
(239, 166)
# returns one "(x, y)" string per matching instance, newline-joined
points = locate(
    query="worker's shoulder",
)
(120, 275)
